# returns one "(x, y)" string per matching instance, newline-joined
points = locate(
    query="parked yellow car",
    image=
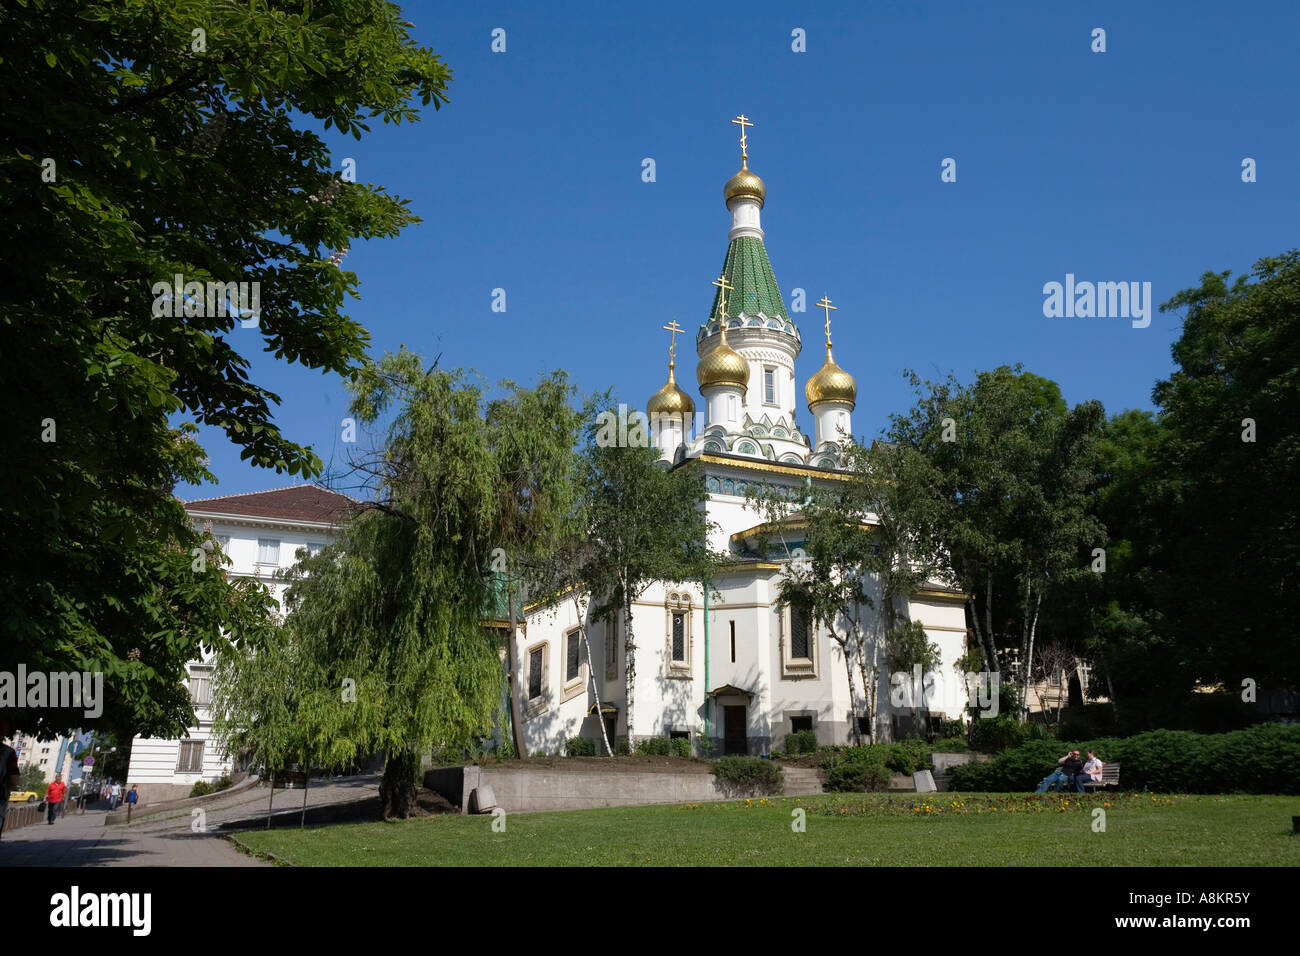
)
(24, 796)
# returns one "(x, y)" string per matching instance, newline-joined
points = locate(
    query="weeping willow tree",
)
(384, 646)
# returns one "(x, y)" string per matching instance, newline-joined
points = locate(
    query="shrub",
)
(621, 748)
(950, 745)
(680, 747)
(654, 747)
(223, 783)
(993, 735)
(857, 769)
(1259, 759)
(201, 788)
(949, 729)
(749, 774)
(579, 747)
(801, 742)
(909, 756)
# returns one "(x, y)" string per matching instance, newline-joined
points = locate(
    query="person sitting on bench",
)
(1091, 771)
(1066, 774)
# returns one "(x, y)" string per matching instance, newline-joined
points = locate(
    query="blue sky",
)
(1115, 166)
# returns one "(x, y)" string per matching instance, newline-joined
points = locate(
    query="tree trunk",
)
(994, 663)
(848, 672)
(397, 788)
(629, 666)
(595, 685)
(1033, 628)
(515, 681)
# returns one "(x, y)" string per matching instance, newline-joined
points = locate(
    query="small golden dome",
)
(670, 400)
(722, 366)
(745, 183)
(831, 384)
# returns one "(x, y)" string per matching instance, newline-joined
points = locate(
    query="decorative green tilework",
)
(750, 273)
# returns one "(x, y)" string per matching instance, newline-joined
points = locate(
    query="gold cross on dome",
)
(742, 121)
(674, 328)
(825, 304)
(722, 283)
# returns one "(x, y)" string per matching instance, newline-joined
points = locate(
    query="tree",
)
(172, 152)
(1011, 469)
(385, 648)
(31, 777)
(643, 523)
(858, 550)
(1201, 580)
(1228, 584)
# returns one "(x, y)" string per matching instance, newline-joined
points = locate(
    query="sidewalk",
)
(77, 840)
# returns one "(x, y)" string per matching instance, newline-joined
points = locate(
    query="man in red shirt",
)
(54, 798)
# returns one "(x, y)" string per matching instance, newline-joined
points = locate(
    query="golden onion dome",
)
(831, 384)
(722, 366)
(746, 184)
(670, 400)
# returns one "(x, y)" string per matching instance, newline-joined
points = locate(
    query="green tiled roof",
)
(747, 269)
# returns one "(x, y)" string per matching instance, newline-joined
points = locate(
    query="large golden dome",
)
(722, 366)
(670, 400)
(831, 384)
(745, 183)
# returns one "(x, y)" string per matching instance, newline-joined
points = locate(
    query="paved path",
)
(167, 838)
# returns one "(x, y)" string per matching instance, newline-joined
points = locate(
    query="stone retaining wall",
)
(525, 790)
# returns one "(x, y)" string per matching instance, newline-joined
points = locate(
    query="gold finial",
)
(742, 121)
(825, 304)
(722, 283)
(674, 328)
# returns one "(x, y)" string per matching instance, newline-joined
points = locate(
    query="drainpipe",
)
(708, 701)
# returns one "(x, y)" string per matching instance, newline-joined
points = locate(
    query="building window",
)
(733, 642)
(679, 634)
(798, 644)
(769, 386)
(799, 648)
(535, 662)
(268, 551)
(733, 408)
(191, 760)
(611, 649)
(223, 541)
(315, 547)
(572, 656)
(201, 686)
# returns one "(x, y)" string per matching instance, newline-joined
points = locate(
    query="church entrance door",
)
(735, 730)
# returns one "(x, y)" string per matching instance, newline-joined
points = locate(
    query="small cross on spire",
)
(742, 121)
(825, 304)
(674, 328)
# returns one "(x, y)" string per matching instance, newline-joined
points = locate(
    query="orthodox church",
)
(728, 668)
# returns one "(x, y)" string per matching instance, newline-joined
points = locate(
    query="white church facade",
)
(728, 664)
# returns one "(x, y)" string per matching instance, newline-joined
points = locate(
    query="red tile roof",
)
(298, 503)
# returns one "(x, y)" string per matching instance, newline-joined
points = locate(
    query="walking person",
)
(133, 796)
(114, 796)
(54, 795)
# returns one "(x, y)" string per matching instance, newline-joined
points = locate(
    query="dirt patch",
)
(628, 764)
(427, 804)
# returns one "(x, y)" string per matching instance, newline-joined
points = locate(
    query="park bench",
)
(1109, 778)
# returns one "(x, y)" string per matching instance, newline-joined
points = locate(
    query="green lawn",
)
(855, 830)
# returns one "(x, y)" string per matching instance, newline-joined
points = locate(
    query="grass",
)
(841, 829)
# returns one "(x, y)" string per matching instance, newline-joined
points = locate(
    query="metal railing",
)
(23, 815)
